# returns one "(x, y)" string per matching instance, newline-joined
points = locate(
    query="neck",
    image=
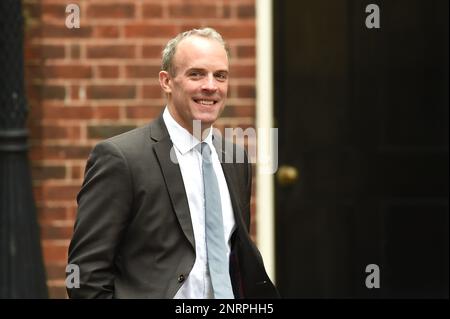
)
(199, 130)
(196, 128)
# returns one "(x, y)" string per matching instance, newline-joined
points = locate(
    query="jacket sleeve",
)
(104, 204)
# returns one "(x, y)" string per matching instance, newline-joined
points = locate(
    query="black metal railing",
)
(22, 272)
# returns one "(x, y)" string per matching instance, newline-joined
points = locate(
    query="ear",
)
(165, 81)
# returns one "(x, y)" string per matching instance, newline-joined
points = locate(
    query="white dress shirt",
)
(198, 284)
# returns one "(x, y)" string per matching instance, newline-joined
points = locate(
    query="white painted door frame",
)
(265, 208)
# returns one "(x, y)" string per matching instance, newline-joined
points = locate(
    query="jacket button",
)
(180, 278)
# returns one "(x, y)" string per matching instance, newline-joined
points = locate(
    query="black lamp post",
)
(21, 268)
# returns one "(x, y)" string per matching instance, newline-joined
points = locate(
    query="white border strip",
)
(265, 227)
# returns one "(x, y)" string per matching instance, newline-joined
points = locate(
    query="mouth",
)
(205, 101)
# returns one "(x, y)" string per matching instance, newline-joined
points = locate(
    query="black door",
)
(363, 120)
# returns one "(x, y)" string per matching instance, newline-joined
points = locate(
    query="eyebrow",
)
(202, 70)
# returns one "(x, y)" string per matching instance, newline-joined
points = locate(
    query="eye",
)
(195, 74)
(221, 76)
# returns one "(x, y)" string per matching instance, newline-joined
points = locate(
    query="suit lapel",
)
(172, 176)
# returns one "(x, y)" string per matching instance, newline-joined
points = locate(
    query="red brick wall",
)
(87, 84)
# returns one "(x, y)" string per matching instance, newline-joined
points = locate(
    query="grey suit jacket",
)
(133, 236)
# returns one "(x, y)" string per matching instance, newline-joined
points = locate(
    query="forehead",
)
(200, 52)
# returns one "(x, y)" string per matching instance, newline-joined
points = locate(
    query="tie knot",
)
(205, 151)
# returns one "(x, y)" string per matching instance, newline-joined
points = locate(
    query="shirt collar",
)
(181, 138)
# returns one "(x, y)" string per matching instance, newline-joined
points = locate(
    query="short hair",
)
(169, 51)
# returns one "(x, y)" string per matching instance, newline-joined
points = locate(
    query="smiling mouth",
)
(205, 102)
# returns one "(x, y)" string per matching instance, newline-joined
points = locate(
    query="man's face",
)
(198, 89)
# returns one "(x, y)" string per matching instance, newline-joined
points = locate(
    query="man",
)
(159, 214)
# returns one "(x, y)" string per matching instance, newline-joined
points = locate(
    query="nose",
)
(209, 84)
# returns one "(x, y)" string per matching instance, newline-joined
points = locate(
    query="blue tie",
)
(215, 242)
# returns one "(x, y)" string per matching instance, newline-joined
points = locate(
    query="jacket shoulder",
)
(132, 137)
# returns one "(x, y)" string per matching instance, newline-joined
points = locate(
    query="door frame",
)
(265, 202)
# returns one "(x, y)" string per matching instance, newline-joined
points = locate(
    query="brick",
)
(49, 214)
(190, 26)
(32, 53)
(61, 192)
(73, 152)
(152, 11)
(44, 52)
(54, 252)
(77, 172)
(238, 111)
(142, 71)
(55, 270)
(152, 91)
(35, 151)
(66, 112)
(59, 31)
(75, 51)
(246, 91)
(246, 11)
(53, 11)
(193, 11)
(57, 291)
(75, 92)
(52, 131)
(106, 31)
(53, 52)
(65, 71)
(49, 231)
(106, 131)
(242, 71)
(38, 193)
(73, 132)
(246, 51)
(51, 92)
(33, 92)
(34, 130)
(152, 51)
(150, 31)
(107, 112)
(111, 10)
(72, 211)
(110, 51)
(33, 115)
(108, 71)
(238, 31)
(63, 152)
(111, 92)
(226, 12)
(34, 71)
(240, 1)
(40, 172)
(143, 112)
